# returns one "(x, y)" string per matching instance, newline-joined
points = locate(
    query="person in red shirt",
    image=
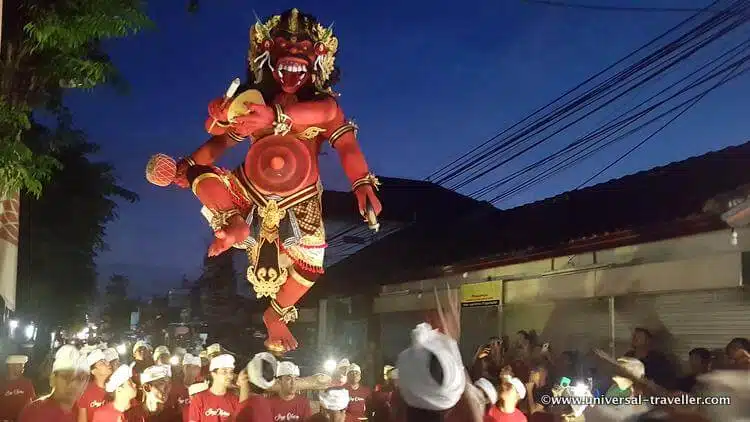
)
(179, 397)
(94, 396)
(512, 391)
(217, 404)
(489, 396)
(68, 380)
(261, 376)
(359, 395)
(288, 406)
(142, 359)
(156, 384)
(333, 405)
(16, 391)
(124, 389)
(381, 397)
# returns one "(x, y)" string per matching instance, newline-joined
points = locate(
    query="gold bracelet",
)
(368, 179)
(283, 123)
(343, 129)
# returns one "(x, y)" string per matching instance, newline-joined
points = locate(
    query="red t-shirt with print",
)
(294, 410)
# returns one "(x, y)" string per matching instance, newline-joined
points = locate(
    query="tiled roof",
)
(404, 200)
(640, 201)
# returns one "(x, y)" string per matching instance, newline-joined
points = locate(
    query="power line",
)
(444, 173)
(617, 122)
(569, 5)
(486, 166)
(567, 163)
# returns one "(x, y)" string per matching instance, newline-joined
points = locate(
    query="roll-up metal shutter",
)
(681, 321)
(579, 324)
(395, 332)
(478, 324)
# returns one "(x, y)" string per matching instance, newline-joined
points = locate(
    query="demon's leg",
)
(228, 225)
(282, 310)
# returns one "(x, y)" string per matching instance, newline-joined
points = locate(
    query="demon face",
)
(296, 48)
(292, 61)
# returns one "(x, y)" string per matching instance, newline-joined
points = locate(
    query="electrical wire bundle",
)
(651, 62)
(569, 109)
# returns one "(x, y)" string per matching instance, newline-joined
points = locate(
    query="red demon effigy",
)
(270, 206)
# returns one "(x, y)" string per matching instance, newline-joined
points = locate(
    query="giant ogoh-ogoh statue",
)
(271, 204)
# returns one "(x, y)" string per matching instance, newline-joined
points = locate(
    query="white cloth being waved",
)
(417, 386)
(335, 399)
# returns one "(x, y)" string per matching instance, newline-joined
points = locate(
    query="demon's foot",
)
(235, 232)
(280, 339)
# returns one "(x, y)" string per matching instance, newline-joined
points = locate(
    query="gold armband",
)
(283, 123)
(221, 124)
(288, 314)
(338, 133)
(369, 179)
(190, 162)
(234, 136)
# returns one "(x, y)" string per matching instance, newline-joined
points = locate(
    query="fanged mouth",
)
(291, 73)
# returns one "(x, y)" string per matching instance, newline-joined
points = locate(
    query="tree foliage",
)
(49, 46)
(63, 231)
(117, 307)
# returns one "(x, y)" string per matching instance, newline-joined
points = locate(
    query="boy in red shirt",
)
(16, 391)
(94, 396)
(124, 389)
(70, 374)
(217, 404)
(288, 406)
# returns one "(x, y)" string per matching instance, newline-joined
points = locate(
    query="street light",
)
(29, 331)
(12, 324)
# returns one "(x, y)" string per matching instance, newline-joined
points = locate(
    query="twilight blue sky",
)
(425, 81)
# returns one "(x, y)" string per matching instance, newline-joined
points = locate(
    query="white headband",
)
(95, 356)
(221, 361)
(335, 399)
(154, 373)
(111, 354)
(354, 368)
(68, 358)
(517, 385)
(287, 368)
(486, 386)
(255, 370)
(418, 388)
(118, 378)
(189, 359)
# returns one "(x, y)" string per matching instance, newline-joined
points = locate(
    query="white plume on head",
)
(417, 386)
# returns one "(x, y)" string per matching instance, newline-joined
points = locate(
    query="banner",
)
(488, 293)
(9, 220)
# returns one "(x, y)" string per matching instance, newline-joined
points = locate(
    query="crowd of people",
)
(429, 382)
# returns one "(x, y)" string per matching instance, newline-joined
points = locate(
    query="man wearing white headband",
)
(333, 405)
(70, 374)
(94, 396)
(217, 404)
(16, 391)
(162, 355)
(155, 383)
(431, 373)
(124, 390)
(179, 397)
(381, 397)
(112, 357)
(512, 391)
(142, 359)
(261, 376)
(359, 395)
(288, 405)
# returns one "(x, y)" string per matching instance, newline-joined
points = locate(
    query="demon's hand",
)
(366, 196)
(180, 178)
(218, 109)
(259, 116)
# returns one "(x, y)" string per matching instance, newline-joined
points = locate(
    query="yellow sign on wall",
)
(488, 293)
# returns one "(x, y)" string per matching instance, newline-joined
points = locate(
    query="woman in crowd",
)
(94, 396)
(333, 405)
